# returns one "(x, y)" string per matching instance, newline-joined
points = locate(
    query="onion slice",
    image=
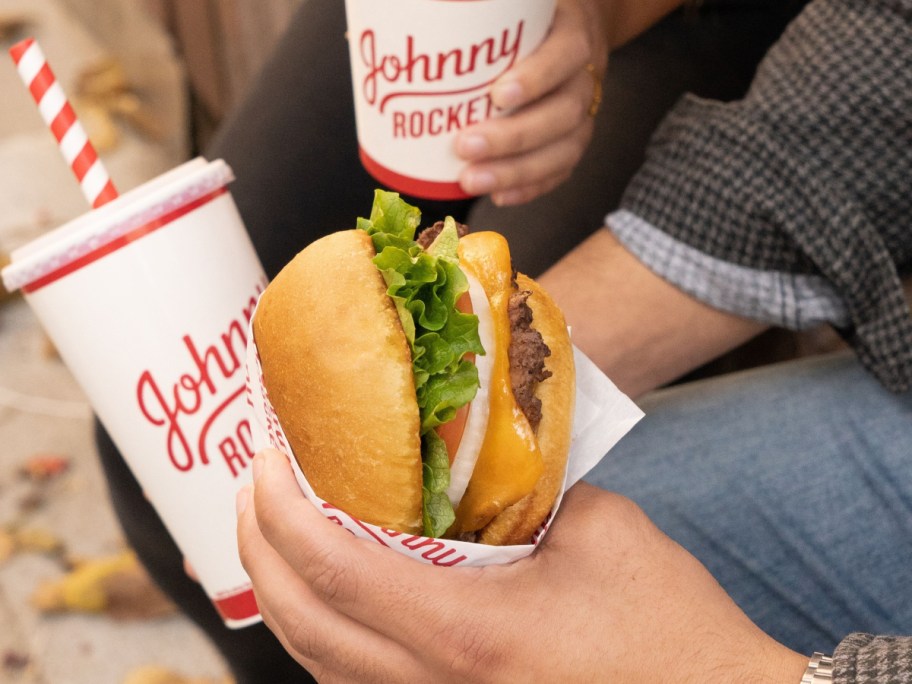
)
(477, 420)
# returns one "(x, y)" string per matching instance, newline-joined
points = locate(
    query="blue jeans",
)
(793, 485)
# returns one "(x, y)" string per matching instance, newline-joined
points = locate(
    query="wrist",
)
(780, 665)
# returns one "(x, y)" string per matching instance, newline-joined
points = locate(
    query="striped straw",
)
(59, 116)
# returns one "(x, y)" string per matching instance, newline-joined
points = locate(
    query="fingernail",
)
(507, 94)
(471, 146)
(241, 498)
(257, 466)
(478, 182)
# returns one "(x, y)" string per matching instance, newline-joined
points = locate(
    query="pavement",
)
(54, 506)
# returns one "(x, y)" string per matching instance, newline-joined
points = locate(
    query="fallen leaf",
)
(41, 467)
(37, 540)
(7, 546)
(116, 585)
(14, 539)
(15, 660)
(156, 674)
(32, 501)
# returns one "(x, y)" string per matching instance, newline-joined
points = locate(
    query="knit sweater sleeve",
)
(867, 659)
(804, 182)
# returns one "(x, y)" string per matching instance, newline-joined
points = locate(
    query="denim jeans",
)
(793, 485)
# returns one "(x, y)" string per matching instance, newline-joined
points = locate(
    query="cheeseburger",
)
(422, 385)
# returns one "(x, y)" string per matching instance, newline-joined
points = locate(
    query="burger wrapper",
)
(603, 415)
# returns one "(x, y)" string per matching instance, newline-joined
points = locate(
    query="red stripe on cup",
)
(241, 606)
(418, 187)
(122, 241)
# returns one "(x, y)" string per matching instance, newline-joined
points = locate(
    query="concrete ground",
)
(45, 524)
(42, 412)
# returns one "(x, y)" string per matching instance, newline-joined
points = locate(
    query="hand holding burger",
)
(421, 386)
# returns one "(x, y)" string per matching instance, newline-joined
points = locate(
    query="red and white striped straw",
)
(57, 113)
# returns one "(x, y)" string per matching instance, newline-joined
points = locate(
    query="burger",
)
(422, 385)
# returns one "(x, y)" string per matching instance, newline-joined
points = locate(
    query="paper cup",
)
(602, 416)
(422, 71)
(148, 299)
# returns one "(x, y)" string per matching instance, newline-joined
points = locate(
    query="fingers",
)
(548, 125)
(510, 179)
(561, 55)
(319, 637)
(354, 577)
(532, 127)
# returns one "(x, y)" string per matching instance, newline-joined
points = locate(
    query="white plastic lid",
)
(98, 227)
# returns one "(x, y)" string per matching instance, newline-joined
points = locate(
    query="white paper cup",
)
(422, 71)
(147, 299)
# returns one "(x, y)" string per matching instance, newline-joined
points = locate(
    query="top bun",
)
(338, 371)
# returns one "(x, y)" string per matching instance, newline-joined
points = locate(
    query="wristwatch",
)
(819, 670)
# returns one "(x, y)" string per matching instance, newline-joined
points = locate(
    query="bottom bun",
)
(517, 524)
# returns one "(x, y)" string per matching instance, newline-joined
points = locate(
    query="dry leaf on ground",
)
(7, 545)
(40, 467)
(156, 674)
(117, 586)
(37, 540)
(15, 540)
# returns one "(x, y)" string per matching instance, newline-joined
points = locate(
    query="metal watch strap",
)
(819, 670)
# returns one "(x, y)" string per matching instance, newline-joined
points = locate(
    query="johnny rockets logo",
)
(202, 412)
(402, 84)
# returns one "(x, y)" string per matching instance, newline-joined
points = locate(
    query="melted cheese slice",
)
(509, 463)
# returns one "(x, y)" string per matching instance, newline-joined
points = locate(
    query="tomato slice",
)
(451, 432)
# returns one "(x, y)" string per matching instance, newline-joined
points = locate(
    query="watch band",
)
(819, 670)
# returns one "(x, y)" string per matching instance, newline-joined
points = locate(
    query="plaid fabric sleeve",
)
(867, 659)
(810, 174)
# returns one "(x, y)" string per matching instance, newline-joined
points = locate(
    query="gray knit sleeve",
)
(867, 659)
(810, 174)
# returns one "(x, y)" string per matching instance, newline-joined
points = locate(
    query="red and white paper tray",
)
(602, 417)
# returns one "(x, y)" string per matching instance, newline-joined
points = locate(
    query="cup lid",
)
(98, 227)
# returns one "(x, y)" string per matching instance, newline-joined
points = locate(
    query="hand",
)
(547, 95)
(606, 597)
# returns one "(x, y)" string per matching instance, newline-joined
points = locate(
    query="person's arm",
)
(791, 206)
(638, 328)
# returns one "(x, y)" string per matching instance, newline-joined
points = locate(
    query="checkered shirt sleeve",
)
(810, 175)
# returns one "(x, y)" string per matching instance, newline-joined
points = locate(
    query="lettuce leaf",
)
(436, 510)
(425, 286)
